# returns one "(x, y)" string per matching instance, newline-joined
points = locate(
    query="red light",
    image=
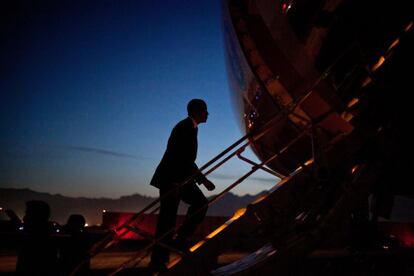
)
(284, 7)
(403, 232)
(148, 222)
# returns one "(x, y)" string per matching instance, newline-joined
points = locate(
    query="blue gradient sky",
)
(90, 92)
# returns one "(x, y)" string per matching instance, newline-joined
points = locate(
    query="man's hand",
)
(209, 185)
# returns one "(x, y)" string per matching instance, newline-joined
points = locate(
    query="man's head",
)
(75, 223)
(197, 109)
(37, 215)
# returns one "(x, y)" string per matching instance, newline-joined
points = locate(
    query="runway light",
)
(286, 7)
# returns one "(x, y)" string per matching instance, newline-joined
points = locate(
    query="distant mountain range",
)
(91, 208)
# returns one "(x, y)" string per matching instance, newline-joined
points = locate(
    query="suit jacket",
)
(178, 162)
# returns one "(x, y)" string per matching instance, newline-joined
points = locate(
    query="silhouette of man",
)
(176, 166)
(39, 252)
(75, 246)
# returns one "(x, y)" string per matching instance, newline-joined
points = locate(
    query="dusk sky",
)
(90, 91)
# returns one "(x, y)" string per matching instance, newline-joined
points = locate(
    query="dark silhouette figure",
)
(176, 166)
(38, 254)
(75, 246)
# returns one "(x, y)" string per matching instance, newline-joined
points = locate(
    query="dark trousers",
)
(196, 212)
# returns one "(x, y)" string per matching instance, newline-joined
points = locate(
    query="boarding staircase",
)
(289, 221)
(274, 223)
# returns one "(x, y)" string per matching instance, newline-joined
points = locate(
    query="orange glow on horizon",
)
(310, 161)
(409, 26)
(240, 212)
(173, 262)
(298, 169)
(197, 245)
(215, 232)
(347, 116)
(366, 81)
(395, 43)
(354, 168)
(353, 102)
(259, 199)
(379, 63)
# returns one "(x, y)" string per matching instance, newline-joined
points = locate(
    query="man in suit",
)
(177, 166)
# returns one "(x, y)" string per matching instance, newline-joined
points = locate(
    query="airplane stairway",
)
(309, 205)
(288, 222)
(244, 222)
(291, 217)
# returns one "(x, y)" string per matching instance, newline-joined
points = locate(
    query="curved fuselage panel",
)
(310, 60)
